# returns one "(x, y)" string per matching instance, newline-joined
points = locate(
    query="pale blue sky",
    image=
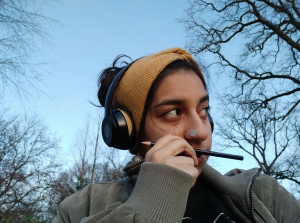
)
(91, 35)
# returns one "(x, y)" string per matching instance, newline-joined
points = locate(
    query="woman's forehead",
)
(183, 84)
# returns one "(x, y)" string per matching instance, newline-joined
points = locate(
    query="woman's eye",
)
(204, 112)
(173, 113)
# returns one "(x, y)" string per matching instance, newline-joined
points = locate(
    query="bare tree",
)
(86, 148)
(257, 43)
(272, 143)
(23, 28)
(112, 164)
(63, 186)
(95, 162)
(27, 167)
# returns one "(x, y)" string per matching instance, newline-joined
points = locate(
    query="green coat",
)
(160, 195)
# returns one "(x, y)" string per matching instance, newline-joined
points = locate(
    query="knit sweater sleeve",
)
(160, 195)
(273, 201)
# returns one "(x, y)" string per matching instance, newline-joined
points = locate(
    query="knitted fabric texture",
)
(132, 90)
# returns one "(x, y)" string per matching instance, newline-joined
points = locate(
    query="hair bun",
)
(107, 75)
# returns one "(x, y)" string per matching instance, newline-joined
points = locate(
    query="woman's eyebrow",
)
(169, 102)
(204, 98)
(179, 101)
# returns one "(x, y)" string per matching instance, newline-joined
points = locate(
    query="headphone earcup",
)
(211, 121)
(117, 130)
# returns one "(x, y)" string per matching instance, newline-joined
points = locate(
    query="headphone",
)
(118, 129)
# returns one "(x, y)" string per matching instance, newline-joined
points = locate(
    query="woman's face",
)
(180, 104)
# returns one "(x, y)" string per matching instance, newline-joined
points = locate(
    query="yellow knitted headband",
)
(132, 90)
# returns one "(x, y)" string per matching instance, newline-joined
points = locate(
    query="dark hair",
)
(107, 75)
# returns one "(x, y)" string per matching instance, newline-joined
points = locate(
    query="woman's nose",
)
(197, 128)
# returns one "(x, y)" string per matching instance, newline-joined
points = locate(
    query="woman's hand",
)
(174, 151)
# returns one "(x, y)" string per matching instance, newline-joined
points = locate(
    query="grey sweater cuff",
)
(161, 193)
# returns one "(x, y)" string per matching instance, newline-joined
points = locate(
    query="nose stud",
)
(193, 132)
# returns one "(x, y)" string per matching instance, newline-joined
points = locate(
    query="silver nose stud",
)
(192, 132)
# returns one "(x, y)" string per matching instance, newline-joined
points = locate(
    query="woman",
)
(163, 98)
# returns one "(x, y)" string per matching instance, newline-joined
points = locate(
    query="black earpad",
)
(116, 130)
(211, 121)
